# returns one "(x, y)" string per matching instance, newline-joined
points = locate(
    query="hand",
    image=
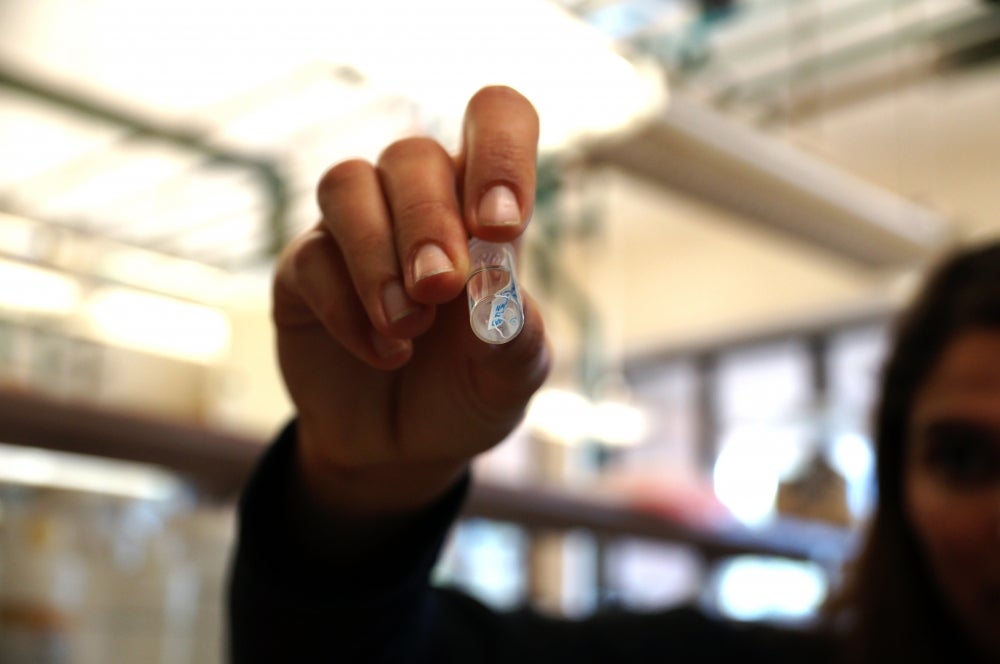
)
(394, 392)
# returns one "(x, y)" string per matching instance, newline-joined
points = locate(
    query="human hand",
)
(394, 392)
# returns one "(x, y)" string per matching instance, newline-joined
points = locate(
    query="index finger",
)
(499, 153)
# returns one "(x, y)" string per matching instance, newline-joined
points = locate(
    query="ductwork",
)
(695, 149)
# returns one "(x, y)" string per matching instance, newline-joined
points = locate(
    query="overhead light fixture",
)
(569, 418)
(435, 52)
(82, 253)
(16, 234)
(440, 52)
(619, 424)
(157, 324)
(28, 288)
(170, 275)
(118, 315)
(559, 415)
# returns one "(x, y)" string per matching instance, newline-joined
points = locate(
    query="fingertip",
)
(500, 151)
(429, 260)
(440, 277)
(395, 310)
(389, 352)
(490, 96)
(412, 325)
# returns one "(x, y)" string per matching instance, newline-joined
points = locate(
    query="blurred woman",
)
(927, 584)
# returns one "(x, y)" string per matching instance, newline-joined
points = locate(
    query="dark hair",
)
(891, 607)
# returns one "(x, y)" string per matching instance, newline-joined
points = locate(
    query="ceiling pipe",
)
(264, 170)
(945, 34)
(697, 150)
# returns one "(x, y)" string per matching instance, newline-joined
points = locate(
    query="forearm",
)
(376, 499)
(308, 582)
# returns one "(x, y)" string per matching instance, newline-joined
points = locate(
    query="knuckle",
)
(304, 253)
(415, 147)
(341, 176)
(368, 243)
(423, 211)
(345, 461)
(330, 313)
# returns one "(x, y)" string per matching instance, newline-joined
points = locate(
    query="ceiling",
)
(190, 131)
(902, 93)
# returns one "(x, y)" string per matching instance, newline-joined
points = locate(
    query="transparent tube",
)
(495, 311)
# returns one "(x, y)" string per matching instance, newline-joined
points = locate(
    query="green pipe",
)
(264, 170)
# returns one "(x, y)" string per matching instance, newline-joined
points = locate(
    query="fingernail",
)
(430, 260)
(395, 304)
(388, 348)
(499, 207)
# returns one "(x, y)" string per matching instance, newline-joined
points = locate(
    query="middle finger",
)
(418, 179)
(354, 211)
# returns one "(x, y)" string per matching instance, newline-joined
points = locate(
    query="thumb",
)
(507, 375)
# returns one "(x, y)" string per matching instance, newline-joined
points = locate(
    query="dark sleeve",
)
(681, 635)
(290, 605)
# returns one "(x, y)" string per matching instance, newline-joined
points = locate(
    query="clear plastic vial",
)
(495, 310)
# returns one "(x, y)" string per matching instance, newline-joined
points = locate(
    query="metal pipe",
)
(264, 169)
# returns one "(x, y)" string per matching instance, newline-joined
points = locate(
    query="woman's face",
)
(953, 480)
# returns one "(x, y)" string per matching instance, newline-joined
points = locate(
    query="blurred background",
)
(735, 197)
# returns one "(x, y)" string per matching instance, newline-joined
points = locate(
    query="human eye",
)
(964, 455)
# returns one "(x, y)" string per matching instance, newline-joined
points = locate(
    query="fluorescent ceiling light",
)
(166, 274)
(105, 259)
(559, 415)
(435, 52)
(439, 52)
(28, 288)
(117, 173)
(616, 423)
(39, 138)
(17, 234)
(44, 468)
(157, 324)
(569, 418)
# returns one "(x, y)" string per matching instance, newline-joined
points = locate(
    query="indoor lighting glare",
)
(105, 258)
(752, 588)
(559, 415)
(122, 173)
(852, 455)
(746, 476)
(17, 234)
(580, 86)
(616, 423)
(569, 417)
(33, 289)
(157, 324)
(435, 53)
(165, 274)
(44, 468)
